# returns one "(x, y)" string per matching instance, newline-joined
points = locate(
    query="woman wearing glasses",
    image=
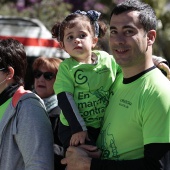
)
(45, 70)
(26, 137)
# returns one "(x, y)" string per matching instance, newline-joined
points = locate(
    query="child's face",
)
(79, 40)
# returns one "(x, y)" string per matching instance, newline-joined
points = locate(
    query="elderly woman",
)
(26, 137)
(45, 71)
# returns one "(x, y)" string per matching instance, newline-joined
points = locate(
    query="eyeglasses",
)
(47, 75)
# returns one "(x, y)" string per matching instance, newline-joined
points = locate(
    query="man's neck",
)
(136, 69)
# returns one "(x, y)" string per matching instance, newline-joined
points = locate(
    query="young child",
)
(83, 80)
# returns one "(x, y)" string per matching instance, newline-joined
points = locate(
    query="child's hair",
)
(98, 28)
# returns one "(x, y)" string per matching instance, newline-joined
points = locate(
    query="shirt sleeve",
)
(156, 157)
(71, 112)
(34, 135)
(157, 60)
(64, 80)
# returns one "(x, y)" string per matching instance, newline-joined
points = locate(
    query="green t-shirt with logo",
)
(89, 84)
(138, 114)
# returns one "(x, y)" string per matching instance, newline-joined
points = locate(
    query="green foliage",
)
(48, 11)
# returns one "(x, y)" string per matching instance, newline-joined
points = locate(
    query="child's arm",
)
(157, 60)
(162, 64)
(71, 113)
(79, 138)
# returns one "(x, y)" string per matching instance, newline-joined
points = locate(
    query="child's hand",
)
(165, 68)
(79, 138)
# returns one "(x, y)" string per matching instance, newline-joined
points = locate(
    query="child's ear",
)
(61, 45)
(95, 40)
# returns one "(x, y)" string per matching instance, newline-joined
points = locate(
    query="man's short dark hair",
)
(147, 15)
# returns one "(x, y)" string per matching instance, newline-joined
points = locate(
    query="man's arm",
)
(156, 157)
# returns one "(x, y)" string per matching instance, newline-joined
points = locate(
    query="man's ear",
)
(151, 36)
(94, 41)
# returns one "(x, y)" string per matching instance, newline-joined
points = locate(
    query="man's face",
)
(128, 40)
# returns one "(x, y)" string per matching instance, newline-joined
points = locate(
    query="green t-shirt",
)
(4, 107)
(138, 114)
(89, 84)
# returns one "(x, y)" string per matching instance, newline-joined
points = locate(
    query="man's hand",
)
(76, 159)
(92, 151)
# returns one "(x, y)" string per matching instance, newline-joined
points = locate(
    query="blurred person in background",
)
(26, 138)
(45, 71)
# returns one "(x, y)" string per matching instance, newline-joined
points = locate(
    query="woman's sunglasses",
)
(47, 75)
